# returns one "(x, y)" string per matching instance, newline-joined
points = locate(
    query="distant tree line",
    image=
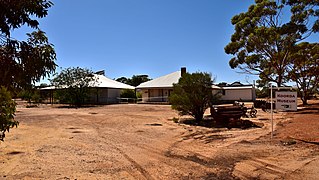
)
(134, 81)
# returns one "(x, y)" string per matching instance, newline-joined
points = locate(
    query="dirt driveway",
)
(142, 142)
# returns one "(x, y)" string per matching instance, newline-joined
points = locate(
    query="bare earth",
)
(135, 141)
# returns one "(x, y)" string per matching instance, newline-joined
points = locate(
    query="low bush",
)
(7, 112)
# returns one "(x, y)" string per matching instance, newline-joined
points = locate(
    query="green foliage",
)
(138, 79)
(263, 41)
(24, 62)
(14, 14)
(128, 93)
(303, 11)
(138, 95)
(7, 110)
(36, 97)
(123, 80)
(304, 69)
(262, 92)
(135, 80)
(74, 85)
(30, 95)
(25, 95)
(192, 94)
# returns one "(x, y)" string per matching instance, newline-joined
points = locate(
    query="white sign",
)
(286, 100)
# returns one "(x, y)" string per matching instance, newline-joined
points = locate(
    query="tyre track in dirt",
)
(138, 142)
(161, 154)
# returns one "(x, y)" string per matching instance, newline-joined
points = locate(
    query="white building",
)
(107, 91)
(238, 92)
(159, 89)
(104, 91)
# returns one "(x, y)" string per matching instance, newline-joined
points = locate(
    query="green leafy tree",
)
(304, 69)
(25, 95)
(122, 80)
(305, 13)
(138, 79)
(24, 62)
(192, 94)
(7, 110)
(74, 85)
(263, 42)
(128, 93)
(135, 80)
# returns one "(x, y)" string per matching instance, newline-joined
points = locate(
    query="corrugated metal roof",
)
(237, 87)
(102, 82)
(166, 81)
(216, 87)
(162, 82)
(109, 83)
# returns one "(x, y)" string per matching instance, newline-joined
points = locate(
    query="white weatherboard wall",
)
(238, 93)
(286, 100)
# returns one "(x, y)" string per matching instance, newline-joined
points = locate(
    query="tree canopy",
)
(21, 62)
(135, 80)
(7, 111)
(304, 69)
(24, 62)
(192, 94)
(263, 41)
(73, 84)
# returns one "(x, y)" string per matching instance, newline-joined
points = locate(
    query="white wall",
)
(113, 95)
(237, 94)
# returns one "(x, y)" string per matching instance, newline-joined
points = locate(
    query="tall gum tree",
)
(304, 69)
(265, 37)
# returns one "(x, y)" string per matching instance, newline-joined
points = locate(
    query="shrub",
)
(25, 95)
(192, 94)
(7, 110)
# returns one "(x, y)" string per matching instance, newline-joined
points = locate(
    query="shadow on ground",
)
(209, 122)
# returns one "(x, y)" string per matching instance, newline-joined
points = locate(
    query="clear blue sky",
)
(153, 37)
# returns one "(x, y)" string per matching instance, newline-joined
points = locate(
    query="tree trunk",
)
(304, 99)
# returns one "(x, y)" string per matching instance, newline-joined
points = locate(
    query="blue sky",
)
(153, 37)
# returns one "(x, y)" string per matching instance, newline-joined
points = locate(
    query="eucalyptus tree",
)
(305, 13)
(265, 38)
(135, 80)
(304, 69)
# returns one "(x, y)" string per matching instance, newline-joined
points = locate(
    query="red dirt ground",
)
(135, 141)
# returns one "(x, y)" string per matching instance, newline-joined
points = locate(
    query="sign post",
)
(272, 112)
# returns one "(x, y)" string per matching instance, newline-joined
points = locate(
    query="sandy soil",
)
(135, 141)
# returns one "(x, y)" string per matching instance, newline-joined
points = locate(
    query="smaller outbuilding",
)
(237, 92)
